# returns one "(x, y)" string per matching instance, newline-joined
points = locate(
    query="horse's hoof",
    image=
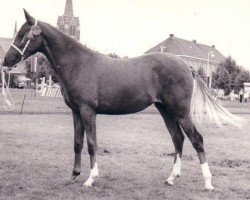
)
(75, 174)
(87, 184)
(168, 182)
(209, 188)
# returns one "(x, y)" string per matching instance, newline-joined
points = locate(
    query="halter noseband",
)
(25, 47)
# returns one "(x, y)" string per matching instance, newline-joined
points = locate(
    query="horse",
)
(93, 83)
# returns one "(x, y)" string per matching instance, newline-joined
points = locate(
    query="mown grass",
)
(134, 156)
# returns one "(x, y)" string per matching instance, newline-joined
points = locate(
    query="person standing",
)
(245, 96)
(232, 95)
(241, 95)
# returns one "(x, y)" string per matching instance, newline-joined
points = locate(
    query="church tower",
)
(68, 23)
(15, 31)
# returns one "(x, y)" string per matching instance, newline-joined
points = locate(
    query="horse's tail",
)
(203, 102)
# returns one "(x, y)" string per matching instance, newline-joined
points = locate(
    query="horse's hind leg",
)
(178, 139)
(197, 142)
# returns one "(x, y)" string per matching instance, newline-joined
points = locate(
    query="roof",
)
(2, 52)
(4, 46)
(178, 46)
(5, 43)
(20, 69)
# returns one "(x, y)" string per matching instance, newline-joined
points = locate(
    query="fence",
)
(51, 91)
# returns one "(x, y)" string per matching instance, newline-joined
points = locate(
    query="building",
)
(19, 69)
(247, 87)
(198, 56)
(4, 46)
(68, 23)
(5, 43)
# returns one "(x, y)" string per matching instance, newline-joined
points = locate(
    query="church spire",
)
(68, 8)
(68, 23)
(15, 30)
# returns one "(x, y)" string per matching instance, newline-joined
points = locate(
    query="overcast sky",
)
(131, 27)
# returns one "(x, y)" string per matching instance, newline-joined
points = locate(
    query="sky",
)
(131, 27)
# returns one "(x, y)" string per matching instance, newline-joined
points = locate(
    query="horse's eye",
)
(23, 40)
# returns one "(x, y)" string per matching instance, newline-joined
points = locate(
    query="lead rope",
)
(8, 100)
(9, 103)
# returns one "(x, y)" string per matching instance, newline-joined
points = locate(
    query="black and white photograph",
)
(124, 100)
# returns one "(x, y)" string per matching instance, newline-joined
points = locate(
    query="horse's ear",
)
(28, 17)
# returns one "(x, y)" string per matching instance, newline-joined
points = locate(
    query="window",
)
(61, 27)
(196, 64)
(192, 63)
(72, 30)
(162, 48)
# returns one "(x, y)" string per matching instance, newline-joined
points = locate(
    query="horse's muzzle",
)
(3, 63)
(4, 68)
(10, 63)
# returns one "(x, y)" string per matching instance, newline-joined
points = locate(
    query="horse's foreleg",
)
(89, 121)
(78, 143)
(178, 139)
(197, 142)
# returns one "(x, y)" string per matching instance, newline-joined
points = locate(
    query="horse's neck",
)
(63, 52)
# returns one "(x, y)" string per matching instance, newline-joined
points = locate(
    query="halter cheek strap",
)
(25, 47)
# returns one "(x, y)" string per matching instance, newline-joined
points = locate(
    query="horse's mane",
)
(52, 30)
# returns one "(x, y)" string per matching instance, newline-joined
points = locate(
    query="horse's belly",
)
(119, 106)
(124, 94)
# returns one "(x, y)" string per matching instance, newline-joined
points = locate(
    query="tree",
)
(233, 69)
(202, 73)
(44, 69)
(229, 76)
(240, 79)
(114, 55)
(221, 80)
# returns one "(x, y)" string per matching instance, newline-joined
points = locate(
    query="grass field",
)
(134, 156)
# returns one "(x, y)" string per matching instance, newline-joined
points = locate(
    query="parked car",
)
(21, 81)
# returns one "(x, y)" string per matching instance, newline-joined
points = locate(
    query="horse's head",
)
(27, 42)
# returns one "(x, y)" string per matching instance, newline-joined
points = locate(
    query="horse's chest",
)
(79, 94)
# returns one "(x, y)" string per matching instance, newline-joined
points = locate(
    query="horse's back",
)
(143, 65)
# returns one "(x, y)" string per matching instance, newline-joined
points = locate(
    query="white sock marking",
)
(207, 176)
(93, 173)
(176, 170)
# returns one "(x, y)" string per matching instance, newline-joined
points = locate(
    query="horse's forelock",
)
(22, 31)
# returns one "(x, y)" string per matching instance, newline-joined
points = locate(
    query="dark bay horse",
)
(93, 83)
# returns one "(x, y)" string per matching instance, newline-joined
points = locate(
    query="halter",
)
(34, 32)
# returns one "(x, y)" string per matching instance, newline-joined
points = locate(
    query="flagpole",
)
(34, 69)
